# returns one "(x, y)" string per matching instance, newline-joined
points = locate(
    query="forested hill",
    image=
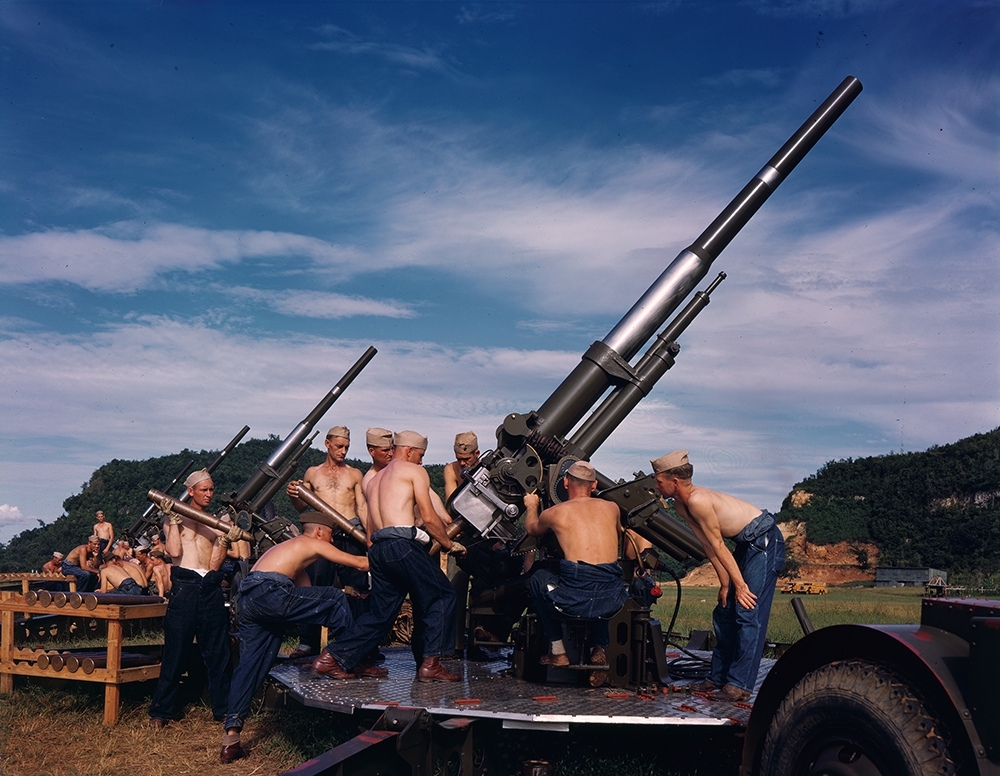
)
(119, 488)
(939, 508)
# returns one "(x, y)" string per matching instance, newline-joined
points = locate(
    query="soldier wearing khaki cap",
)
(380, 447)
(339, 485)
(466, 456)
(589, 580)
(401, 566)
(746, 578)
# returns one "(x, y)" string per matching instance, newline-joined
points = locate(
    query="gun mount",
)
(534, 449)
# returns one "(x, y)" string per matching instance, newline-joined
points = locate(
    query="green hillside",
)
(939, 508)
(119, 488)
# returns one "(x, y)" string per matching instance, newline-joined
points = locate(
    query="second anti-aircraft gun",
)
(250, 507)
(534, 449)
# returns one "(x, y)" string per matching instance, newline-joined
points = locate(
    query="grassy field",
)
(863, 605)
(53, 727)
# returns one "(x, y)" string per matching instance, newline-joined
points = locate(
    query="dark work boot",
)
(431, 670)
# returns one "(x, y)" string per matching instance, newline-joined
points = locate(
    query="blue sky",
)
(208, 211)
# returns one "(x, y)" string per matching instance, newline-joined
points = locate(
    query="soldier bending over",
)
(276, 593)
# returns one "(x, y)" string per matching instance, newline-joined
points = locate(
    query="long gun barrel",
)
(533, 448)
(578, 392)
(270, 472)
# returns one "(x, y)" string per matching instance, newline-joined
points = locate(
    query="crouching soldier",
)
(277, 593)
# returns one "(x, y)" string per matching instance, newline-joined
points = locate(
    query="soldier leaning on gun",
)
(746, 577)
(339, 485)
(197, 606)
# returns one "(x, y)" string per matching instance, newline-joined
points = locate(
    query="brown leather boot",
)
(431, 670)
(327, 665)
(368, 668)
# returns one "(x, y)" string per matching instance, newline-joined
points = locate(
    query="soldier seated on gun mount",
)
(82, 562)
(589, 580)
(123, 577)
(275, 593)
(746, 578)
(339, 485)
(400, 565)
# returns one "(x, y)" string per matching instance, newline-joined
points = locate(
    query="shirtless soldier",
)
(339, 485)
(123, 577)
(589, 580)
(275, 593)
(84, 564)
(197, 606)
(400, 564)
(466, 456)
(104, 531)
(746, 577)
(379, 441)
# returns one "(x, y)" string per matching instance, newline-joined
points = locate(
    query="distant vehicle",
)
(804, 588)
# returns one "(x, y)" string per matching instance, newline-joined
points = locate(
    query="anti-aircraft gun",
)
(250, 507)
(534, 449)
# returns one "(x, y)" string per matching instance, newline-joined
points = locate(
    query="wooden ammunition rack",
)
(25, 578)
(24, 662)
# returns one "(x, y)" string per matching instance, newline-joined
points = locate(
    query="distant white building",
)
(888, 576)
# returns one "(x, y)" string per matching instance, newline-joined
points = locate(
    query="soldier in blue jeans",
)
(588, 581)
(746, 578)
(277, 593)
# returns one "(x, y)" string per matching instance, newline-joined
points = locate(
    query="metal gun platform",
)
(486, 691)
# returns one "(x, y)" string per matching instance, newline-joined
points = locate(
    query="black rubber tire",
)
(855, 718)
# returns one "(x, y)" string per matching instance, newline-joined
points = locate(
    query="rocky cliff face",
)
(831, 563)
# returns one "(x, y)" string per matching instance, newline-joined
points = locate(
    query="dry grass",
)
(58, 731)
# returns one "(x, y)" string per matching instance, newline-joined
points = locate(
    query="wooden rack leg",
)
(112, 692)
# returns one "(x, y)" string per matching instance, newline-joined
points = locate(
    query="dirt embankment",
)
(834, 564)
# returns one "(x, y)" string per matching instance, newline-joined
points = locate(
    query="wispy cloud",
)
(127, 256)
(319, 304)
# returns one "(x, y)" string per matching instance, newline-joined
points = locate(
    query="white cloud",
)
(127, 256)
(13, 522)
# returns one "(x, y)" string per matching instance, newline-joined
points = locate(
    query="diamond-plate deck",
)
(486, 691)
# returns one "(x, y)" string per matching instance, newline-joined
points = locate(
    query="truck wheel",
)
(855, 719)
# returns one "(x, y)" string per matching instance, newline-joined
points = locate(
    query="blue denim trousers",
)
(267, 603)
(197, 607)
(741, 633)
(400, 567)
(86, 581)
(578, 590)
